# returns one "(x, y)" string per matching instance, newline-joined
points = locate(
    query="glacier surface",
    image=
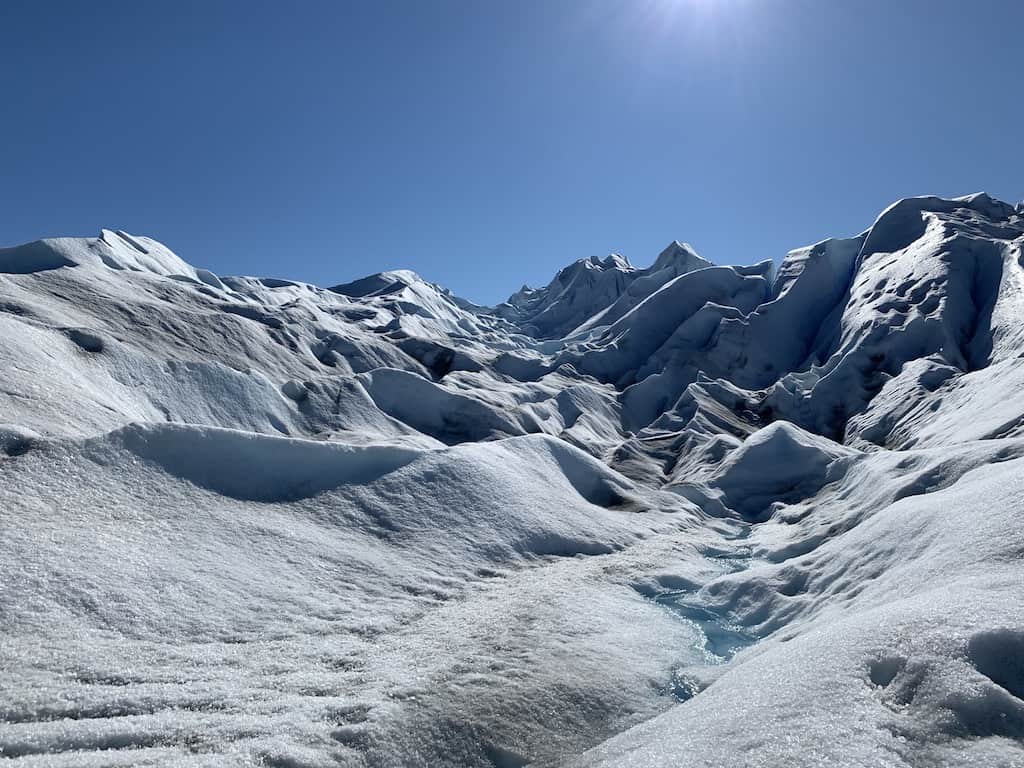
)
(684, 514)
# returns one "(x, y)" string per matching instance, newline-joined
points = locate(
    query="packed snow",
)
(686, 514)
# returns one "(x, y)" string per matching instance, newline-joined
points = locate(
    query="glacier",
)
(762, 515)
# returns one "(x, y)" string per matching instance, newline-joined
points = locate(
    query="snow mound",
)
(33, 257)
(253, 467)
(119, 250)
(448, 416)
(778, 463)
(115, 250)
(591, 479)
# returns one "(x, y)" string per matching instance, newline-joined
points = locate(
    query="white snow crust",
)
(685, 514)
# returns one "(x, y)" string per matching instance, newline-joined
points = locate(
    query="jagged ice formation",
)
(688, 514)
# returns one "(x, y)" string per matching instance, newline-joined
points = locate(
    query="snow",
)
(264, 468)
(593, 293)
(683, 514)
(872, 632)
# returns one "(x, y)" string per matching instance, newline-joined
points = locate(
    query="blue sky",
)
(485, 144)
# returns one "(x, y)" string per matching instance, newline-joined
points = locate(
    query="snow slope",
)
(686, 514)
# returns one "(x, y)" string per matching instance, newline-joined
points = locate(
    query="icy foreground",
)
(683, 515)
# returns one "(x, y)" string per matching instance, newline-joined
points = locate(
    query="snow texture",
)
(679, 515)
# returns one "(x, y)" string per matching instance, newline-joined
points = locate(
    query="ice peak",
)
(681, 256)
(389, 281)
(611, 261)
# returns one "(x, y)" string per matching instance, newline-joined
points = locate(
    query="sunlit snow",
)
(678, 515)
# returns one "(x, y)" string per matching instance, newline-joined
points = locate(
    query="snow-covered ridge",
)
(594, 291)
(685, 513)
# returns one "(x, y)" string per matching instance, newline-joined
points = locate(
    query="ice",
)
(873, 631)
(593, 293)
(261, 467)
(433, 410)
(355, 620)
(678, 514)
(777, 463)
(33, 257)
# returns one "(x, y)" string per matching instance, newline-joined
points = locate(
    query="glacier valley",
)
(686, 514)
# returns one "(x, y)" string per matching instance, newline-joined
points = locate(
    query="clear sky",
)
(486, 143)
